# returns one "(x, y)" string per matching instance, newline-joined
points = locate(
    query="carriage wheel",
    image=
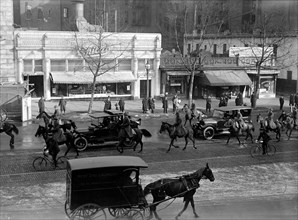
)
(61, 163)
(81, 143)
(117, 212)
(133, 214)
(88, 211)
(208, 133)
(67, 209)
(256, 151)
(40, 164)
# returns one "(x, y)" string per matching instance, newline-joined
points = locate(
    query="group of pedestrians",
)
(120, 105)
(148, 104)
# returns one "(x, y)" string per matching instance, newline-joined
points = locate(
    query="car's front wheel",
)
(81, 143)
(208, 133)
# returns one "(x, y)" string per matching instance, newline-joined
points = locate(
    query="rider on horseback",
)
(239, 119)
(179, 128)
(270, 119)
(125, 130)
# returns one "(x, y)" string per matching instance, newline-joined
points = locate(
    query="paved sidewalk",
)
(134, 107)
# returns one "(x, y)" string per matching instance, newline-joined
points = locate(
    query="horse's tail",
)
(146, 133)
(15, 129)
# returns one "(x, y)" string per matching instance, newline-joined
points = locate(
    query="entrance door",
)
(38, 85)
(143, 88)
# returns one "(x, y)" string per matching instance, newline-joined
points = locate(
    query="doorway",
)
(143, 88)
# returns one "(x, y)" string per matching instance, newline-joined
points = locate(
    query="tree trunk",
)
(192, 77)
(257, 90)
(92, 95)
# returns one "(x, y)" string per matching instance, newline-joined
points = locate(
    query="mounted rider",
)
(58, 134)
(125, 131)
(269, 119)
(179, 129)
(239, 120)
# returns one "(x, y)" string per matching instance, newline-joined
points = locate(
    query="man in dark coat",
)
(208, 104)
(179, 128)
(165, 103)
(240, 96)
(41, 104)
(281, 102)
(151, 103)
(253, 100)
(144, 105)
(292, 101)
(62, 104)
(108, 104)
(121, 104)
(125, 131)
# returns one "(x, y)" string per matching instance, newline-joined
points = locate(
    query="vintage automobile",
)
(103, 130)
(215, 125)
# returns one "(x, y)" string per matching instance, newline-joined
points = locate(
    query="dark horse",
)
(135, 140)
(69, 142)
(184, 186)
(265, 125)
(67, 124)
(9, 128)
(189, 134)
(235, 129)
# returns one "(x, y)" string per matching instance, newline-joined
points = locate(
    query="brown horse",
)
(265, 125)
(189, 134)
(183, 186)
(9, 128)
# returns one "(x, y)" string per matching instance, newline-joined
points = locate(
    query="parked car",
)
(208, 127)
(103, 130)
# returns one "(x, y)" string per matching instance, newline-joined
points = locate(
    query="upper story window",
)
(142, 63)
(75, 65)
(58, 65)
(38, 67)
(28, 65)
(124, 64)
(33, 66)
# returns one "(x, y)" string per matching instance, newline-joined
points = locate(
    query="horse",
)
(189, 134)
(289, 124)
(136, 138)
(69, 141)
(9, 129)
(265, 125)
(183, 186)
(67, 124)
(235, 129)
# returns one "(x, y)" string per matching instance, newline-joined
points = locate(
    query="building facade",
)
(54, 68)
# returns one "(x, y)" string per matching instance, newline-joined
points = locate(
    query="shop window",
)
(38, 67)
(289, 75)
(75, 65)
(141, 65)
(58, 65)
(28, 66)
(124, 64)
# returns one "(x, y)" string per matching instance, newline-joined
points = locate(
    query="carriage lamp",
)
(147, 67)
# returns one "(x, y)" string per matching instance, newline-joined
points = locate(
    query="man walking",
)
(292, 101)
(208, 104)
(41, 104)
(62, 104)
(253, 100)
(151, 103)
(121, 104)
(281, 102)
(108, 104)
(165, 103)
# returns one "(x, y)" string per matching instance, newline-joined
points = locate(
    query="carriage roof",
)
(106, 162)
(99, 115)
(114, 112)
(232, 108)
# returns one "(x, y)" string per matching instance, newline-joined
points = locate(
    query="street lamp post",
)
(147, 66)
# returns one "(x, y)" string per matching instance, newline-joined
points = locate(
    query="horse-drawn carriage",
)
(104, 129)
(98, 183)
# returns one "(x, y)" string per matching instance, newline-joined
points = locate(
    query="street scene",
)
(148, 109)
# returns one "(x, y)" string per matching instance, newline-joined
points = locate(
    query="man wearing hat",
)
(57, 113)
(125, 131)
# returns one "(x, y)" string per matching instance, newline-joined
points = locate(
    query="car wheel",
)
(208, 133)
(81, 143)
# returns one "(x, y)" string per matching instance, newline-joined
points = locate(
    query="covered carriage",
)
(99, 183)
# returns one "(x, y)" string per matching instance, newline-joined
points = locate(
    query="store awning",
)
(87, 77)
(263, 72)
(225, 78)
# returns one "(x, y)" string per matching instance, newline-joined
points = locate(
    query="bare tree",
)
(268, 37)
(93, 47)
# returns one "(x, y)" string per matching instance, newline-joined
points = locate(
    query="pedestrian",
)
(240, 96)
(62, 104)
(121, 104)
(281, 102)
(193, 109)
(253, 100)
(221, 102)
(296, 100)
(174, 100)
(208, 104)
(41, 105)
(151, 103)
(116, 106)
(188, 115)
(145, 105)
(266, 138)
(292, 101)
(108, 104)
(57, 113)
(226, 99)
(165, 103)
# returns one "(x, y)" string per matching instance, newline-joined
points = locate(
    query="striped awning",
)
(226, 78)
(87, 77)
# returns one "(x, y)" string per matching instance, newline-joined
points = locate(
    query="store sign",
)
(207, 62)
(94, 50)
(250, 51)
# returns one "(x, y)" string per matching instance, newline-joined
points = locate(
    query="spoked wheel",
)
(67, 209)
(88, 211)
(208, 133)
(40, 164)
(117, 212)
(256, 151)
(271, 149)
(133, 214)
(61, 163)
(81, 143)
